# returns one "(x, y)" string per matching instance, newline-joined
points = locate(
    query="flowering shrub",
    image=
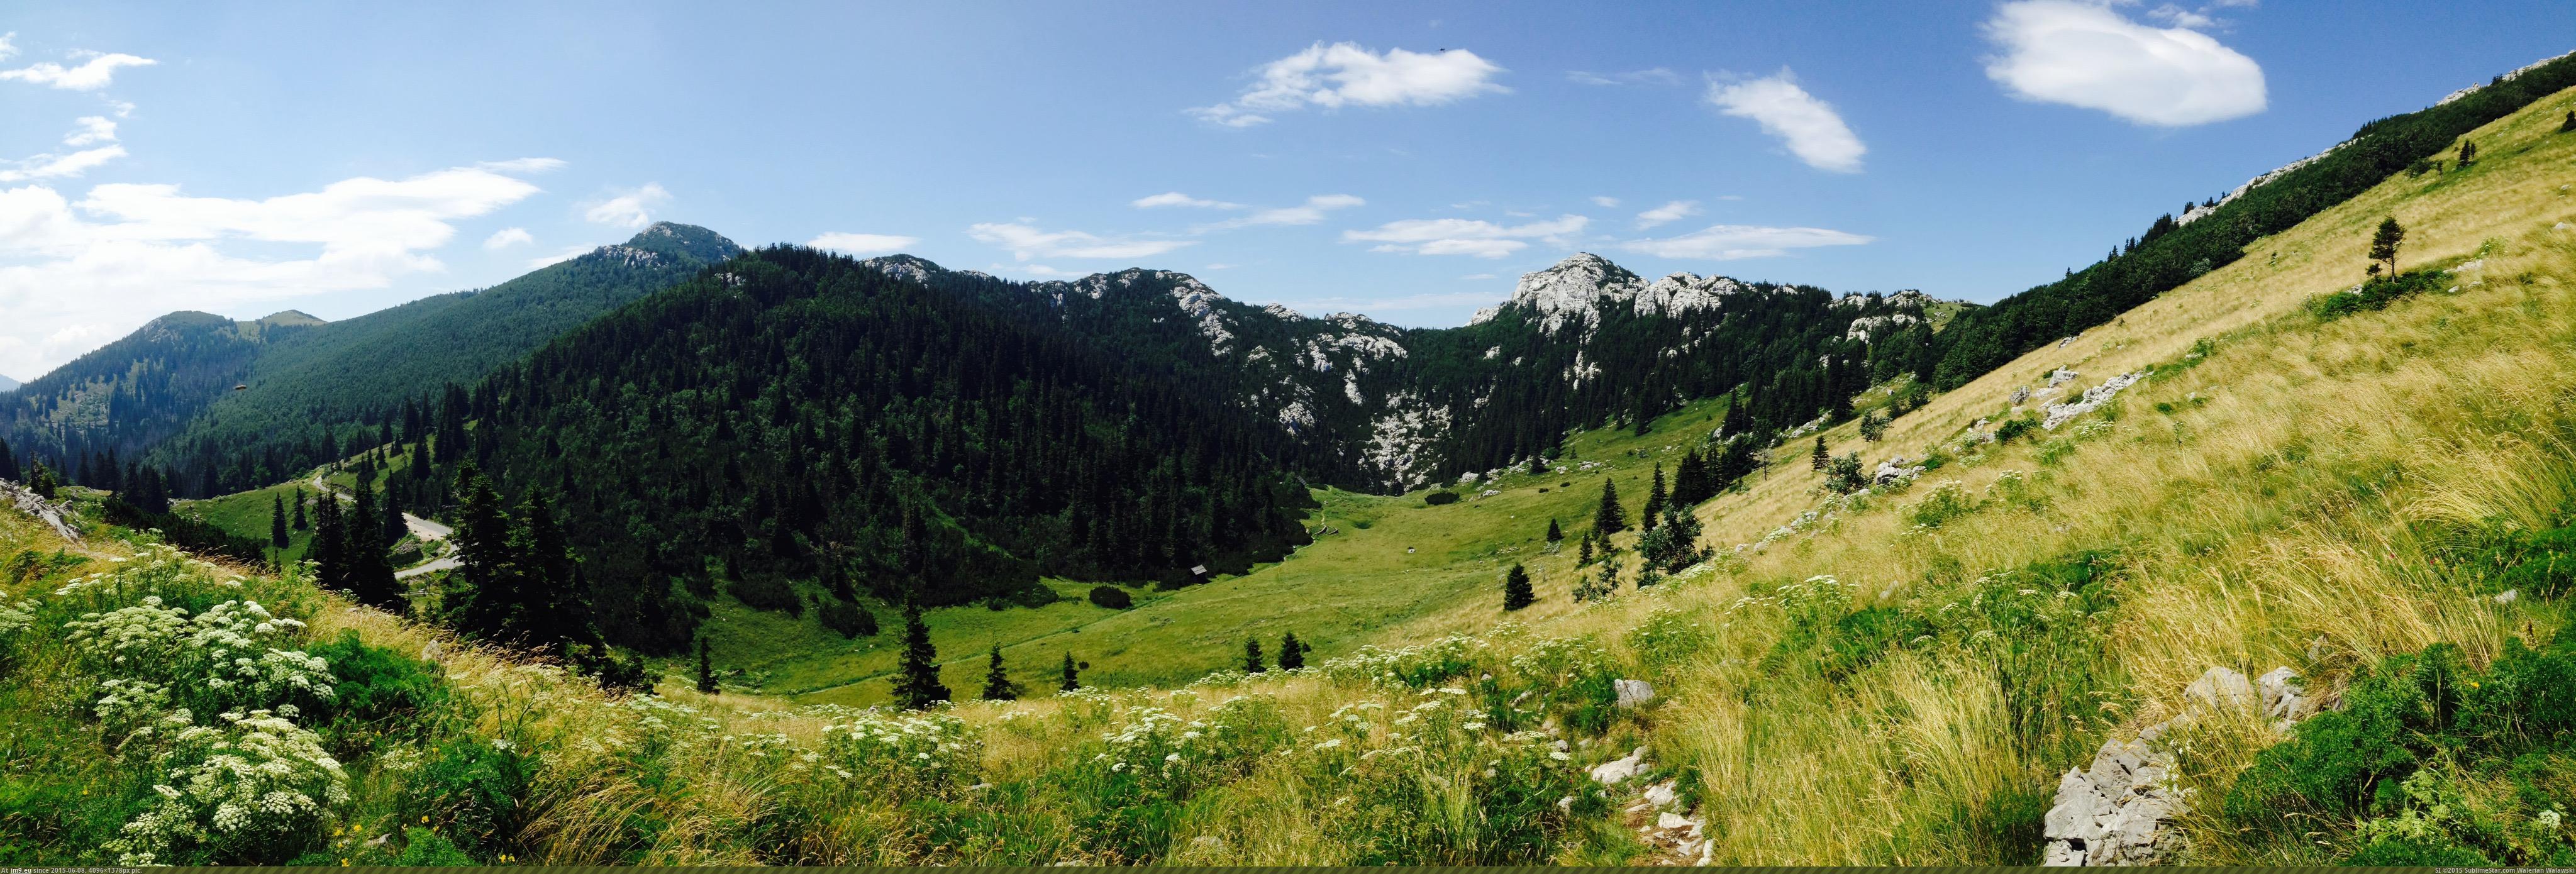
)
(1668, 637)
(1438, 787)
(256, 791)
(223, 659)
(1412, 666)
(1572, 678)
(903, 754)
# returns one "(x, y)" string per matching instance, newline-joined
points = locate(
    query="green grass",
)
(246, 514)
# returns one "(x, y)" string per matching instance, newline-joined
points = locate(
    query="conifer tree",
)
(2468, 155)
(277, 521)
(1252, 656)
(329, 540)
(1655, 497)
(553, 607)
(1072, 680)
(488, 570)
(1292, 652)
(300, 522)
(370, 573)
(706, 669)
(2383, 244)
(1516, 589)
(1554, 534)
(1610, 518)
(393, 527)
(2563, 127)
(8, 462)
(917, 686)
(1821, 457)
(1583, 555)
(997, 682)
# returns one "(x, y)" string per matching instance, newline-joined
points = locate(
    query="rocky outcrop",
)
(2093, 397)
(55, 516)
(1893, 471)
(2119, 810)
(1633, 693)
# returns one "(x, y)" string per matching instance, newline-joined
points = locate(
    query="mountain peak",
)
(290, 317)
(687, 242)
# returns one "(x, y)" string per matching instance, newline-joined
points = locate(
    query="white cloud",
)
(72, 273)
(1667, 213)
(522, 165)
(2087, 55)
(632, 209)
(1807, 126)
(1032, 270)
(1026, 242)
(1656, 76)
(1478, 276)
(861, 244)
(94, 74)
(58, 166)
(1478, 238)
(1311, 212)
(507, 237)
(91, 129)
(8, 49)
(2180, 17)
(1606, 202)
(1175, 198)
(1729, 242)
(1345, 74)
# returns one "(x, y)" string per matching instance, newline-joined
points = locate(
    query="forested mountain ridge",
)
(341, 383)
(124, 397)
(790, 415)
(7, 384)
(1580, 344)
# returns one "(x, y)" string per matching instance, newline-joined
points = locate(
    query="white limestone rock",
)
(1633, 693)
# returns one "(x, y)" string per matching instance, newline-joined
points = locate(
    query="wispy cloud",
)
(1175, 198)
(1310, 212)
(1025, 242)
(1667, 213)
(1346, 74)
(2088, 55)
(1606, 202)
(1655, 76)
(630, 209)
(1730, 242)
(1807, 126)
(94, 73)
(507, 237)
(1478, 238)
(861, 244)
(90, 129)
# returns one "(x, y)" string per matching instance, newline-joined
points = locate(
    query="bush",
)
(766, 591)
(473, 790)
(2340, 762)
(423, 848)
(848, 619)
(1944, 502)
(2014, 429)
(2377, 293)
(377, 690)
(1111, 597)
(1438, 498)
(2538, 563)
(258, 791)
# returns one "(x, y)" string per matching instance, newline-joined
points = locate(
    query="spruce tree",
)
(553, 607)
(1554, 534)
(393, 527)
(2383, 244)
(2468, 155)
(917, 686)
(1292, 652)
(2563, 127)
(371, 572)
(277, 521)
(8, 462)
(1655, 497)
(1072, 680)
(706, 669)
(1252, 656)
(1820, 458)
(330, 539)
(299, 522)
(1583, 555)
(1516, 589)
(487, 569)
(997, 682)
(1610, 518)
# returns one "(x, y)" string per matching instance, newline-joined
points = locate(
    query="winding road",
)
(426, 531)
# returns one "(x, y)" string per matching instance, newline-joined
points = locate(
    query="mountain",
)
(1580, 344)
(130, 394)
(7, 384)
(309, 387)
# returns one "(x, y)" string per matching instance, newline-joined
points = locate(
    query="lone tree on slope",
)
(917, 687)
(1516, 589)
(1292, 652)
(997, 681)
(1610, 519)
(277, 521)
(1252, 656)
(1820, 457)
(706, 669)
(1554, 534)
(1072, 680)
(1655, 497)
(2383, 245)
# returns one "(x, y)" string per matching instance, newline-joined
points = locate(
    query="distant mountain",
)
(359, 370)
(127, 395)
(7, 384)
(1580, 344)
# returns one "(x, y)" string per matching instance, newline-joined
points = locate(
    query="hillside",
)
(127, 396)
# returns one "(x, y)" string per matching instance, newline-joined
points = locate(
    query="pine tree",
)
(393, 527)
(2383, 244)
(1072, 680)
(1655, 497)
(330, 539)
(2563, 127)
(277, 521)
(300, 523)
(706, 669)
(1252, 656)
(2468, 155)
(1516, 589)
(553, 608)
(1554, 534)
(1609, 519)
(8, 462)
(1583, 555)
(997, 682)
(1292, 652)
(371, 572)
(488, 570)
(1873, 426)
(917, 686)
(1821, 457)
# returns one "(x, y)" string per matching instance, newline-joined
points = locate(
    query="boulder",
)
(1663, 794)
(1619, 770)
(2020, 394)
(1633, 693)
(2115, 812)
(2059, 376)
(2221, 689)
(2285, 698)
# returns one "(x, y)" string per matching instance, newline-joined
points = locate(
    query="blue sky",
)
(1407, 161)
